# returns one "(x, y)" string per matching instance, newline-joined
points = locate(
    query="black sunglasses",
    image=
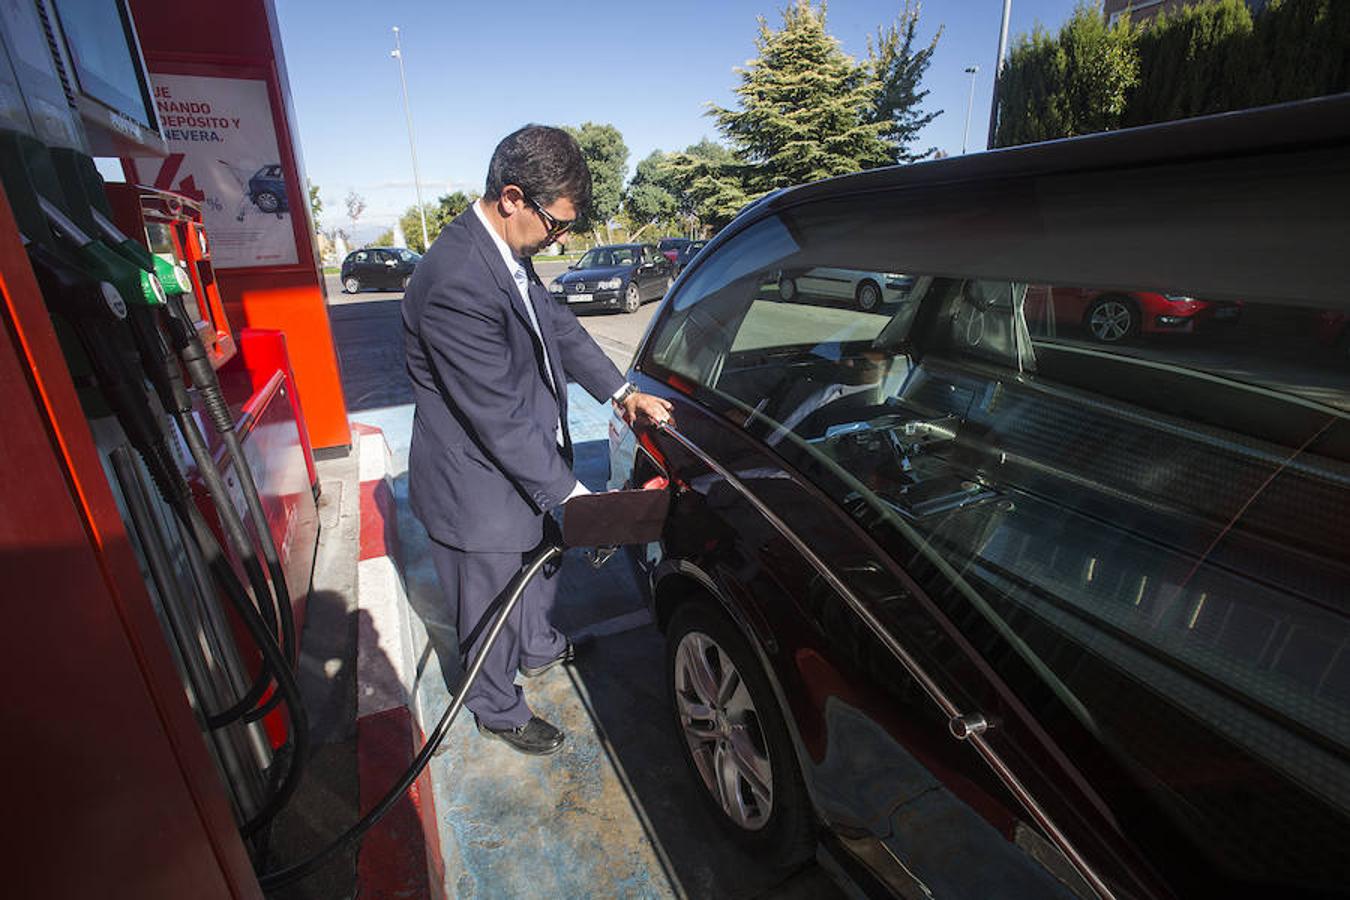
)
(556, 227)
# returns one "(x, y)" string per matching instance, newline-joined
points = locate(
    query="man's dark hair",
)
(544, 162)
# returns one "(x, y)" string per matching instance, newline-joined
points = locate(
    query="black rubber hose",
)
(220, 566)
(144, 435)
(234, 529)
(168, 381)
(513, 591)
(203, 375)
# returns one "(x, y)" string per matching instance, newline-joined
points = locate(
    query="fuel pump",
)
(108, 304)
(85, 188)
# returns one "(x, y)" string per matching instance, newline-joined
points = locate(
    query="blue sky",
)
(477, 71)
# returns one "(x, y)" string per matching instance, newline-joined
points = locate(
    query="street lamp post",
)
(397, 53)
(972, 71)
(998, 71)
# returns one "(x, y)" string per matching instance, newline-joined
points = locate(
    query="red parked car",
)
(1110, 317)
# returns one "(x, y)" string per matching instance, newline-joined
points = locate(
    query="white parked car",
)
(868, 290)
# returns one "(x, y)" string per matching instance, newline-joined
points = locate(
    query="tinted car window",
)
(1152, 525)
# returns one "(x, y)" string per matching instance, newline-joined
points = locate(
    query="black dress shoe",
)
(569, 654)
(536, 737)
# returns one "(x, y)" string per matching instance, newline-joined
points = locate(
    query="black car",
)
(618, 276)
(973, 606)
(671, 247)
(378, 268)
(685, 254)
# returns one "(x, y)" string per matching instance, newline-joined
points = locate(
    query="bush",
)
(1206, 58)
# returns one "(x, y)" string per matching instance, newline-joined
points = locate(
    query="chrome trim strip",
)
(930, 687)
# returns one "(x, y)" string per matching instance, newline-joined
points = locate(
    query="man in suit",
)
(490, 355)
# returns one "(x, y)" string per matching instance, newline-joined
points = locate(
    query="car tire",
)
(267, 201)
(1111, 318)
(406, 279)
(632, 299)
(351, 285)
(868, 296)
(670, 282)
(704, 649)
(787, 288)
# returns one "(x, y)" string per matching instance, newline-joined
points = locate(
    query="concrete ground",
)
(616, 812)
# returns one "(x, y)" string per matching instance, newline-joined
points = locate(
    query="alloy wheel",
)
(718, 719)
(631, 298)
(1110, 320)
(268, 202)
(352, 285)
(869, 296)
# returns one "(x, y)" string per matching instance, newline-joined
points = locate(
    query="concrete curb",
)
(401, 856)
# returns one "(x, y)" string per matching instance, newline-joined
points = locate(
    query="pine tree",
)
(803, 105)
(898, 70)
(708, 182)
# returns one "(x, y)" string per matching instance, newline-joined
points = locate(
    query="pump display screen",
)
(108, 69)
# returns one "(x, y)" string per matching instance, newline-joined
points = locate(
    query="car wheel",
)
(868, 296)
(734, 737)
(267, 201)
(670, 282)
(632, 300)
(406, 279)
(1112, 318)
(351, 284)
(787, 288)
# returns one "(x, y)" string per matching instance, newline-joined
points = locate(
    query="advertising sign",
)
(223, 152)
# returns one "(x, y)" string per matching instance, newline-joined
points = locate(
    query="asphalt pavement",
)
(369, 320)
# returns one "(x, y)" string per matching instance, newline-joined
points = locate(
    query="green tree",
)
(649, 199)
(1076, 83)
(439, 214)
(385, 239)
(898, 69)
(804, 105)
(315, 205)
(1304, 46)
(607, 156)
(1194, 61)
(710, 184)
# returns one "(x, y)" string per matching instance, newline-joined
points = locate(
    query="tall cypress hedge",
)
(1206, 58)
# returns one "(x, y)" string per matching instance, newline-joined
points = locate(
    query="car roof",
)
(617, 247)
(1201, 206)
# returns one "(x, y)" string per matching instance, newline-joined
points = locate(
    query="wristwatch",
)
(623, 393)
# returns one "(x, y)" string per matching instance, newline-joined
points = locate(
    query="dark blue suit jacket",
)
(484, 466)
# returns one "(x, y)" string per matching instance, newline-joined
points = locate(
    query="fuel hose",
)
(189, 347)
(512, 593)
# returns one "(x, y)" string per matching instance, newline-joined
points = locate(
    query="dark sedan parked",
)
(971, 608)
(686, 253)
(671, 247)
(619, 276)
(378, 268)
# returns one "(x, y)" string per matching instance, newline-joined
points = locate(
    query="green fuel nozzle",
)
(138, 285)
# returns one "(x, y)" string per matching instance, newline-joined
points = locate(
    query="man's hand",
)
(647, 408)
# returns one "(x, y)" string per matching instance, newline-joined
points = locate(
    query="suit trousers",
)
(472, 582)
